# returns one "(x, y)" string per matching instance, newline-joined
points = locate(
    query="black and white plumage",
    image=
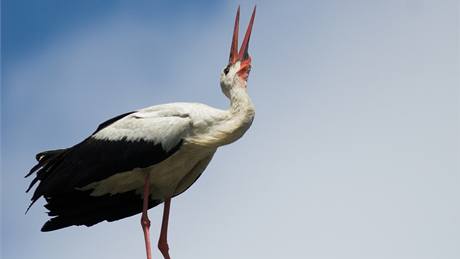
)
(103, 177)
(174, 142)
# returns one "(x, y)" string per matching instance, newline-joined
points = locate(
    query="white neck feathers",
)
(238, 117)
(232, 123)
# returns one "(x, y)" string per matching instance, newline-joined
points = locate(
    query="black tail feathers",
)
(46, 160)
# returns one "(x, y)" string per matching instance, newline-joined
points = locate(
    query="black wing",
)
(61, 172)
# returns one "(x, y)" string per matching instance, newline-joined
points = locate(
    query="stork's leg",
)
(145, 222)
(163, 241)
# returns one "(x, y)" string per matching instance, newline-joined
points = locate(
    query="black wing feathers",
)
(62, 172)
(95, 160)
(46, 160)
(110, 121)
(79, 208)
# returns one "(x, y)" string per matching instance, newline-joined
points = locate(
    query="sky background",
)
(354, 151)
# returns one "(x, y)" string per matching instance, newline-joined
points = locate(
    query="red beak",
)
(243, 54)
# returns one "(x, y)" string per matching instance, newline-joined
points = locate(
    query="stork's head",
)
(236, 73)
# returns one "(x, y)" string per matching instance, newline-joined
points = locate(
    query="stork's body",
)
(196, 128)
(140, 159)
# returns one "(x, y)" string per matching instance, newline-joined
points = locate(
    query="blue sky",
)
(354, 149)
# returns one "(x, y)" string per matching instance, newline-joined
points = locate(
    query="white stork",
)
(141, 159)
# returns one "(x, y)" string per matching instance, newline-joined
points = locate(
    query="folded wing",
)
(126, 142)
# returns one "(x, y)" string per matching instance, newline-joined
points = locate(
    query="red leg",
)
(145, 222)
(163, 241)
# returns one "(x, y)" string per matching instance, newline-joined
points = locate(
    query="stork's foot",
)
(164, 248)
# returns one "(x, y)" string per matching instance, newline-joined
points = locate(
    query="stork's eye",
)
(227, 69)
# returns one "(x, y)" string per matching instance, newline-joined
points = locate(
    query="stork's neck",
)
(238, 117)
(240, 102)
(232, 123)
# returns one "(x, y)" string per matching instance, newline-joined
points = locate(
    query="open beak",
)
(242, 55)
